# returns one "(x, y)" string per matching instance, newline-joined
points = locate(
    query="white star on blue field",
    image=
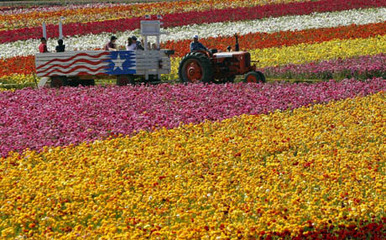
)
(121, 62)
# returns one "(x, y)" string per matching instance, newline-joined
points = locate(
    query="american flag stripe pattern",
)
(85, 63)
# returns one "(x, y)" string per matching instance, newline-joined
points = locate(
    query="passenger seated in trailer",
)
(196, 45)
(139, 44)
(43, 45)
(111, 46)
(61, 46)
(131, 44)
(154, 46)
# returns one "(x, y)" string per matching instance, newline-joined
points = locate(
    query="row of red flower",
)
(362, 230)
(115, 11)
(17, 65)
(194, 17)
(26, 65)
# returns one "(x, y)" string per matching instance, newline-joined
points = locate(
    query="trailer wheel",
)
(123, 80)
(231, 79)
(153, 78)
(75, 81)
(195, 67)
(87, 82)
(58, 81)
(254, 76)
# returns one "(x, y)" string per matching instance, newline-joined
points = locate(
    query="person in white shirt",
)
(131, 45)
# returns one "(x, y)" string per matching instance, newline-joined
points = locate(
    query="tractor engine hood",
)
(229, 54)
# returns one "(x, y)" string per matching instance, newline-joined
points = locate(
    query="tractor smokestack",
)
(237, 47)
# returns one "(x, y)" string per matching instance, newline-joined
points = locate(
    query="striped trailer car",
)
(83, 67)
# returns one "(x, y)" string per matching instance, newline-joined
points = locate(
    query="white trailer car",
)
(83, 67)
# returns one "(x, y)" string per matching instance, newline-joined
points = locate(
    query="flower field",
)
(276, 160)
(307, 172)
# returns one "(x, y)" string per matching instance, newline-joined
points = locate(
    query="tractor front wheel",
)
(195, 67)
(254, 77)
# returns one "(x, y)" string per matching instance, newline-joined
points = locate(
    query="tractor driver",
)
(196, 45)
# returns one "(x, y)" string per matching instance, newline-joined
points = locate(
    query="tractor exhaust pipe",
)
(237, 47)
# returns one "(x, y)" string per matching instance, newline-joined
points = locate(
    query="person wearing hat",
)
(196, 45)
(111, 46)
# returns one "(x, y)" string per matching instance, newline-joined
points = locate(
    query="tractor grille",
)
(247, 60)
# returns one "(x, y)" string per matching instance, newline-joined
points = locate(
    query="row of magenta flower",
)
(75, 115)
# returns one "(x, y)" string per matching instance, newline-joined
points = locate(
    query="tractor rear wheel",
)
(255, 77)
(195, 67)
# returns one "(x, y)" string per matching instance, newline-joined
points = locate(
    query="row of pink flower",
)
(35, 118)
(194, 17)
(362, 67)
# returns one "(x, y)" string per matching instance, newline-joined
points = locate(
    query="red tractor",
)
(211, 66)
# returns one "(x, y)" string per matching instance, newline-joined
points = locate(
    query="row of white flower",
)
(269, 25)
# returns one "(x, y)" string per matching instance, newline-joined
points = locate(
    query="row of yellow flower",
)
(108, 12)
(21, 80)
(304, 53)
(18, 79)
(290, 170)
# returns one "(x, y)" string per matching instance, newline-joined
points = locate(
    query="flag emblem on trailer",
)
(121, 62)
(85, 63)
